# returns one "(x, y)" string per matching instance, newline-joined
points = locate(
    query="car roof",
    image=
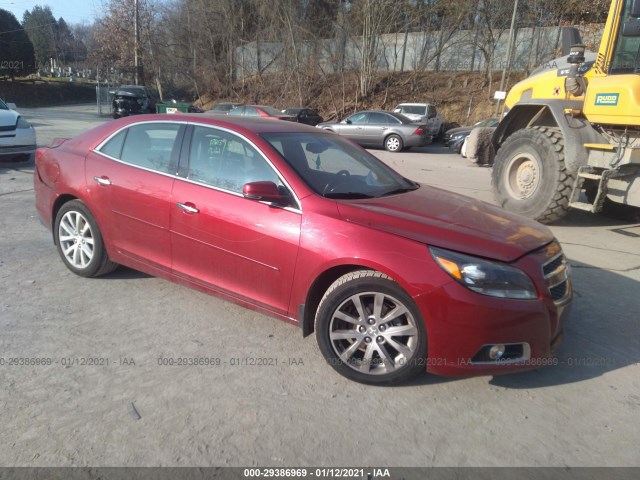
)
(250, 124)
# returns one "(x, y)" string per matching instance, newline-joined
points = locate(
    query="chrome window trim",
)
(176, 176)
(97, 148)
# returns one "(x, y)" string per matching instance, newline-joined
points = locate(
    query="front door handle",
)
(188, 207)
(102, 180)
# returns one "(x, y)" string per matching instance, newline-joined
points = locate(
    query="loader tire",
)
(529, 174)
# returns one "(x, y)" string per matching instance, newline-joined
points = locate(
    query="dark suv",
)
(132, 100)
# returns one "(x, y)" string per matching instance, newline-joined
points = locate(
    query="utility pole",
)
(136, 22)
(512, 36)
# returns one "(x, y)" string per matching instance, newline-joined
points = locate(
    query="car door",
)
(219, 238)
(353, 128)
(376, 128)
(129, 179)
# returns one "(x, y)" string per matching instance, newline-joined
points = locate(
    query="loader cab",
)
(625, 57)
(613, 96)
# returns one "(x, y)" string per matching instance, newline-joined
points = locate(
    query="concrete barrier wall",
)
(413, 51)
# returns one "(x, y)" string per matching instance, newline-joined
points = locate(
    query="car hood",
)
(440, 218)
(8, 118)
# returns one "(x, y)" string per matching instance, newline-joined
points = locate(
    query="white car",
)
(17, 136)
(423, 113)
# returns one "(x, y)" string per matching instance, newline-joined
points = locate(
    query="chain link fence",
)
(104, 99)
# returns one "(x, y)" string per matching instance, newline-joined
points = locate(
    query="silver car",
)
(379, 128)
(17, 136)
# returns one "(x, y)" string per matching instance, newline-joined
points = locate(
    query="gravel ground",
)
(131, 410)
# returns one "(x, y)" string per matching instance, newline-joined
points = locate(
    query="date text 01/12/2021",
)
(321, 473)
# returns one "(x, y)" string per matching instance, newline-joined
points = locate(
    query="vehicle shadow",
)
(10, 164)
(125, 273)
(623, 215)
(437, 148)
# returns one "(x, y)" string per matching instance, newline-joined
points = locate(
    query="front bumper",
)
(455, 144)
(17, 142)
(17, 149)
(462, 331)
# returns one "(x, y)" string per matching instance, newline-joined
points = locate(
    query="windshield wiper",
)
(351, 195)
(400, 190)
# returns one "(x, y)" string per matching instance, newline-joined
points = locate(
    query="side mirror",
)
(12, 106)
(264, 192)
(347, 121)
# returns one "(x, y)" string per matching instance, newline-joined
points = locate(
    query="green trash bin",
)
(172, 107)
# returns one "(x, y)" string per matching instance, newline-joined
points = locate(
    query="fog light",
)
(496, 352)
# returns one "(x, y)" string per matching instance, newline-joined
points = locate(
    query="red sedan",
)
(395, 277)
(262, 111)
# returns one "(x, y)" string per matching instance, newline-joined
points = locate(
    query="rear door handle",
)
(188, 207)
(102, 180)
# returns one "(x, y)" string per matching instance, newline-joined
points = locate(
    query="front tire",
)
(529, 174)
(370, 330)
(79, 241)
(393, 143)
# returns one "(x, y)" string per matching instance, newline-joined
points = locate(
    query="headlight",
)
(458, 136)
(22, 123)
(494, 279)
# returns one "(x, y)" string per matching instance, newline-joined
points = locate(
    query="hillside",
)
(462, 97)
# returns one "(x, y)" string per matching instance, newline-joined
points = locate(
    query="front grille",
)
(556, 274)
(559, 291)
(551, 267)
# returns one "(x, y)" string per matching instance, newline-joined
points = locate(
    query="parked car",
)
(223, 108)
(378, 128)
(263, 111)
(423, 113)
(455, 137)
(304, 225)
(307, 116)
(17, 135)
(132, 100)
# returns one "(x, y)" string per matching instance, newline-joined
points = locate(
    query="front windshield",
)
(3, 106)
(413, 109)
(335, 168)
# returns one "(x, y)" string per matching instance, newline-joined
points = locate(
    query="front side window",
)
(626, 55)
(357, 118)
(225, 161)
(147, 145)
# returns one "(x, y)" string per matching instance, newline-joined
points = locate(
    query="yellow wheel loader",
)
(572, 127)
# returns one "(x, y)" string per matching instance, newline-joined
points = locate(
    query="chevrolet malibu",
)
(394, 277)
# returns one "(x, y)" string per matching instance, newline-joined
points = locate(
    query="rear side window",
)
(378, 118)
(149, 145)
(113, 147)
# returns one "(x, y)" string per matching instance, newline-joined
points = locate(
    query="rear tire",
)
(393, 143)
(529, 175)
(79, 241)
(370, 330)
